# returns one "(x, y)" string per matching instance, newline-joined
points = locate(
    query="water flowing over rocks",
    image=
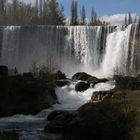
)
(99, 51)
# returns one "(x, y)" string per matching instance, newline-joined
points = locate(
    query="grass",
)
(132, 100)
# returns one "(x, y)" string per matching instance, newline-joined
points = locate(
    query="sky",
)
(102, 7)
(108, 10)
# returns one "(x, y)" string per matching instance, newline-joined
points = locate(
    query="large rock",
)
(81, 76)
(82, 86)
(89, 78)
(100, 121)
(93, 80)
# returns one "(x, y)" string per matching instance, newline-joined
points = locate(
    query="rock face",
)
(127, 82)
(81, 86)
(100, 121)
(100, 96)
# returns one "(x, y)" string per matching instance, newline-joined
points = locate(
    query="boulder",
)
(100, 96)
(92, 80)
(82, 86)
(86, 77)
(81, 76)
(61, 83)
(3, 70)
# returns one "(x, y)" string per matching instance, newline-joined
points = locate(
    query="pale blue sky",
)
(103, 7)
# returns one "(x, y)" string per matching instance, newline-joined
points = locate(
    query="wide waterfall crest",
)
(99, 50)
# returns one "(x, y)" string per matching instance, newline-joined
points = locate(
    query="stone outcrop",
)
(82, 86)
(88, 78)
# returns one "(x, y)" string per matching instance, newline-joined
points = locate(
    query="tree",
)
(125, 20)
(56, 13)
(45, 12)
(139, 20)
(93, 20)
(83, 16)
(135, 20)
(40, 8)
(74, 14)
(42, 12)
(14, 11)
(2, 10)
(2, 7)
(129, 18)
(36, 8)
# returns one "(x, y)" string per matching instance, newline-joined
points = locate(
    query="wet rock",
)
(81, 76)
(89, 78)
(93, 80)
(82, 86)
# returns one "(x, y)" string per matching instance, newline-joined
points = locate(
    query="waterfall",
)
(101, 50)
(116, 55)
(121, 51)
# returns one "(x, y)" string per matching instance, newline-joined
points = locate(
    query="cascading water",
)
(81, 47)
(97, 50)
(116, 56)
(121, 50)
(30, 127)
